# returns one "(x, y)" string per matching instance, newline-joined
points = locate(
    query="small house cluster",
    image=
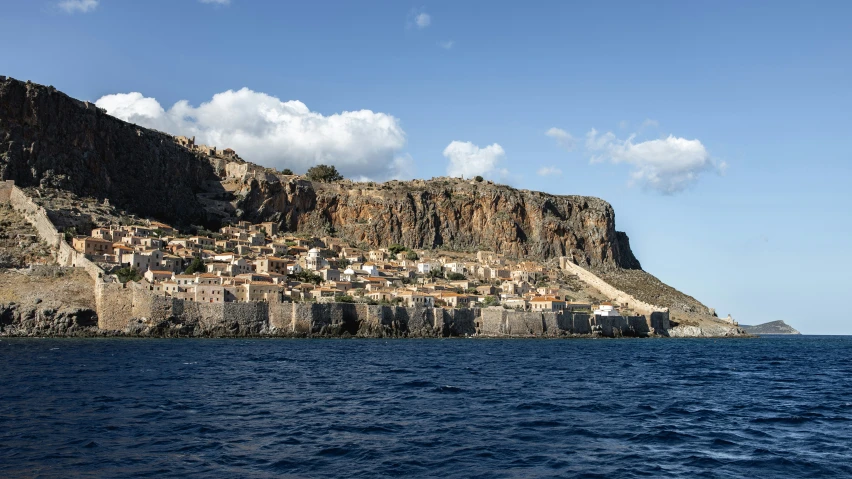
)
(257, 262)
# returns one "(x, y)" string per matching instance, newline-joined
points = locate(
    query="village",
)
(248, 262)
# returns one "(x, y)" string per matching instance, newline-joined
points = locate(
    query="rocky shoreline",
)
(18, 321)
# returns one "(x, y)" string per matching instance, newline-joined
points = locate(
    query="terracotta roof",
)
(97, 240)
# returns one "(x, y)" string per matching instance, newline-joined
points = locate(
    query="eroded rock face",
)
(455, 214)
(20, 320)
(705, 331)
(48, 139)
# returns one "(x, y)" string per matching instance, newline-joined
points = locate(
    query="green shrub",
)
(197, 266)
(323, 174)
(128, 274)
(490, 301)
(306, 276)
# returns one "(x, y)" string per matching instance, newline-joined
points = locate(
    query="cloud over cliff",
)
(469, 160)
(668, 165)
(275, 133)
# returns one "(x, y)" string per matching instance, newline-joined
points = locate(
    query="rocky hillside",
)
(20, 244)
(772, 327)
(50, 140)
(445, 212)
(47, 301)
(650, 289)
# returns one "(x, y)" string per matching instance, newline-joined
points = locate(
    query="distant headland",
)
(772, 327)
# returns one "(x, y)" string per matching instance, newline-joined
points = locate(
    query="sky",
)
(719, 131)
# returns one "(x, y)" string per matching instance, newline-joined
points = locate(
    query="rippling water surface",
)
(769, 407)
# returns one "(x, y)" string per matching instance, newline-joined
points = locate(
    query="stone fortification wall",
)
(34, 214)
(610, 291)
(6, 190)
(459, 322)
(132, 308)
(37, 216)
(508, 323)
(114, 304)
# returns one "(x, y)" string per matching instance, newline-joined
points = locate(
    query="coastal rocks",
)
(705, 331)
(167, 318)
(19, 320)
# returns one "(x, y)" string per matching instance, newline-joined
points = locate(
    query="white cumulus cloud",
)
(469, 160)
(216, 2)
(418, 18)
(549, 171)
(447, 45)
(275, 133)
(422, 20)
(668, 165)
(74, 6)
(562, 137)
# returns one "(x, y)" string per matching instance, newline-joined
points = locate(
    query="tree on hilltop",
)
(323, 173)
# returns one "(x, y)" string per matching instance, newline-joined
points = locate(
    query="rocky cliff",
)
(50, 140)
(445, 212)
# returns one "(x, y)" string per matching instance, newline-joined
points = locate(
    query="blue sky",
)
(728, 162)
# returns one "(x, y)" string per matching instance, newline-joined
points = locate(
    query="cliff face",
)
(446, 212)
(48, 139)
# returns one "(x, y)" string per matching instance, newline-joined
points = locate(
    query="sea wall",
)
(133, 309)
(508, 323)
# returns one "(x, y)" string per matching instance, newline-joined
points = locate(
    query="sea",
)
(469, 408)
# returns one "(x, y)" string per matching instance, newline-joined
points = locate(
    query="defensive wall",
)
(37, 216)
(123, 307)
(609, 290)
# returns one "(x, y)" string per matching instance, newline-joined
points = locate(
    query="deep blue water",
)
(768, 407)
